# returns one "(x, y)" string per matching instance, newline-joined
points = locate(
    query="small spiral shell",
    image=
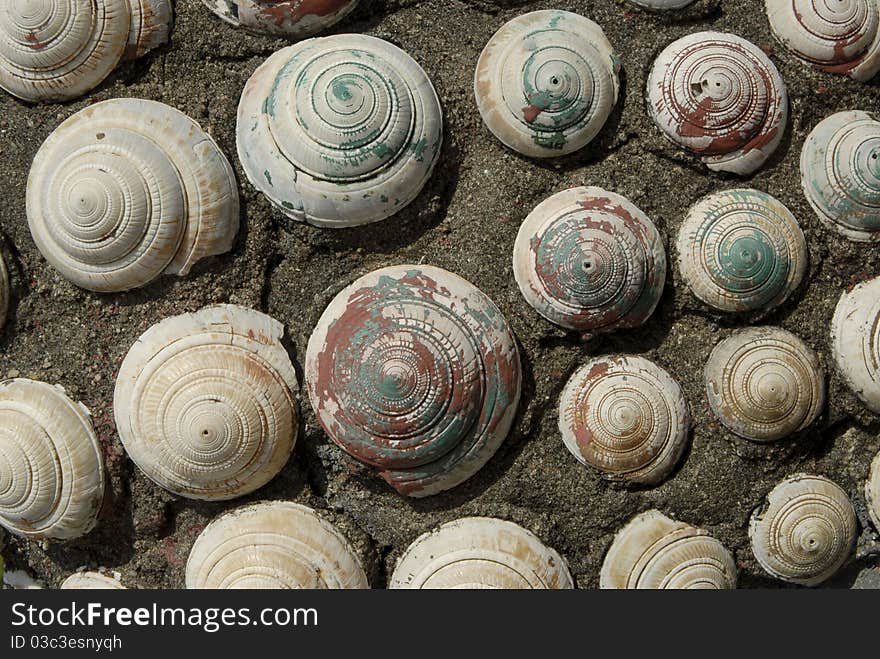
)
(662, 4)
(4, 292)
(294, 19)
(589, 260)
(872, 492)
(91, 581)
(415, 371)
(719, 97)
(765, 384)
(855, 341)
(742, 250)
(626, 417)
(480, 553)
(805, 531)
(272, 546)
(205, 402)
(547, 82)
(127, 190)
(339, 131)
(51, 466)
(655, 552)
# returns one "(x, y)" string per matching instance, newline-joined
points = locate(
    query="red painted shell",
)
(295, 19)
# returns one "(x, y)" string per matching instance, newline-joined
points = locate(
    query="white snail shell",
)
(56, 50)
(741, 250)
(547, 82)
(719, 97)
(339, 131)
(805, 531)
(765, 384)
(872, 492)
(127, 190)
(295, 19)
(840, 173)
(626, 417)
(273, 545)
(589, 260)
(4, 292)
(51, 465)
(480, 553)
(855, 341)
(655, 552)
(414, 371)
(662, 4)
(839, 37)
(205, 402)
(91, 581)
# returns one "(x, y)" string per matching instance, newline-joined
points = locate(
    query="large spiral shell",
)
(547, 82)
(91, 581)
(273, 545)
(855, 341)
(742, 250)
(805, 531)
(51, 467)
(205, 402)
(589, 260)
(764, 384)
(127, 190)
(662, 4)
(339, 131)
(655, 552)
(872, 492)
(480, 553)
(4, 292)
(838, 36)
(295, 19)
(718, 96)
(626, 417)
(415, 371)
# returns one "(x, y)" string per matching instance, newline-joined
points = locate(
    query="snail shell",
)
(839, 37)
(662, 4)
(205, 402)
(547, 82)
(872, 492)
(589, 260)
(840, 174)
(626, 417)
(51, 466)
(655, 552)
(742, 250)
(765, 384)
(91, 581)
(127, 190)
(4, 292)
(480, 553)
(273, 545)
(339, 131)
(719, 97)
(414, 371)
(855, 341)
(805, 531)
(295, 19)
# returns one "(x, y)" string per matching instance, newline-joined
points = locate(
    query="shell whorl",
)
(872, 492)
(4, 292)
(294, 19)
(91, 581)
(855, 341)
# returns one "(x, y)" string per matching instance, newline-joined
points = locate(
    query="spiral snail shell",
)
(719, 97)
(91, 581)
(662, 4)
(855, 341)
(741, 250)
(547, 82)
(805, 531)
(205, 402)
(51, 465)
(127, 190)
(589, 260)
(414, 371)
(56, 50)
(273, 545)
(872, 492)
(339, 131)
(295, 19)
(626, 417)
(655, 552)
(480, 553)
(4, 292)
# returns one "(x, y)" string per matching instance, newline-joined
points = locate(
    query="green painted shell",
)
(294, 19)
(855, 341)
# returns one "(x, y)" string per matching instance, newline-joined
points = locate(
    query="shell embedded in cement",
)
(4, 292)
(91, 581)
(872, 492)
(855, 341)
(294, 19)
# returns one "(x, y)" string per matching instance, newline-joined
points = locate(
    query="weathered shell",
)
(478, 553)
(127, 190)
(56, 50)
(205, 402)
(805, 531)
(840, 174)
(51, 466)
(742, 250)
(589, 260)
(655, 552)
(719, 97)
(295, 19)
(842, 36)
(765, 384)
(91, 581)
(662, 4)
(872, 492)
(855, 341)
(273, 545)
(626, 417)
(414, 371)
(4, 292)
(339, 131)
(547, 82)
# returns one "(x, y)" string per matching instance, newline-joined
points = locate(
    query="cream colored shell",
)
(4, 292)
(872, 492)
(294, 19)
(855, 341)
(91, 581)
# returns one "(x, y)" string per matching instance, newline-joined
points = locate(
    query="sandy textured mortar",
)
(465, 221)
